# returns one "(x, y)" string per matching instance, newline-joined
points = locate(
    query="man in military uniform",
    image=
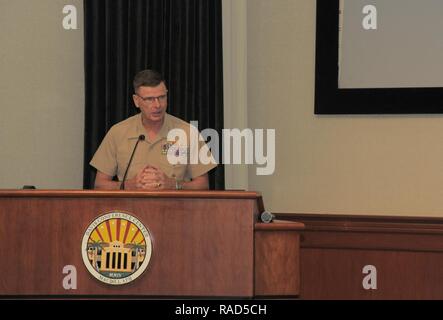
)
(150, 168)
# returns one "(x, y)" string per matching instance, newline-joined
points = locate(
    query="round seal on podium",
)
(116, 248)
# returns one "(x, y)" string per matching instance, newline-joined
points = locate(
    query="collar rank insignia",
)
(166, 147)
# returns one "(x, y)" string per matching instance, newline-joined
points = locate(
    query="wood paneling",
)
(189, 194)
(201, 246)
(277, 271)
(205, 244)
(407, 254)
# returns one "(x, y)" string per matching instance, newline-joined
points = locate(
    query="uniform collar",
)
(138, 129)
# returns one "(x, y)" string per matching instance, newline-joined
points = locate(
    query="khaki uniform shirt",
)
(112, 156)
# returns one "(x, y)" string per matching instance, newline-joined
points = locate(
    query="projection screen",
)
(391, 44)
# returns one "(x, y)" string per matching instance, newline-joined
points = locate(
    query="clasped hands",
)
(152, 178)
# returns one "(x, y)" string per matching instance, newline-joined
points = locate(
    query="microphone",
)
(140, 138)
(267, 217)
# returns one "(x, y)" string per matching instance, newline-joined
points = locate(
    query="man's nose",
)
(156, 102)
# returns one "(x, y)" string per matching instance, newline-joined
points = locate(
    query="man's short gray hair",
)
(147, 78)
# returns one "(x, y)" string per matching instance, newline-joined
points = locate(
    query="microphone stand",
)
(140, 138)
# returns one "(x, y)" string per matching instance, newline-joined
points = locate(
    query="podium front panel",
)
(200, 246)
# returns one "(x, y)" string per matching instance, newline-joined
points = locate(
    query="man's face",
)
(152, 102)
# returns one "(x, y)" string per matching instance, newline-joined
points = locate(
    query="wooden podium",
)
(204, 244)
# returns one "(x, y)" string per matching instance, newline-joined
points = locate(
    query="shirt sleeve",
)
(105, 159)
(206, 161)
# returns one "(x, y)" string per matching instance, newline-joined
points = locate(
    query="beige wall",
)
(41, 95)
(235, 65)
(376, 165)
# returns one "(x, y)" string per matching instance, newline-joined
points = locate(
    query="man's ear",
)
(134, 98)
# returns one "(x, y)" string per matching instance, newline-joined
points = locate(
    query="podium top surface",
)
(207, 194)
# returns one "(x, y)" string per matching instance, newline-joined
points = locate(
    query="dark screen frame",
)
(329, 99)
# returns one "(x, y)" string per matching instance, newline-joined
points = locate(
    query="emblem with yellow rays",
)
(116, 248)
